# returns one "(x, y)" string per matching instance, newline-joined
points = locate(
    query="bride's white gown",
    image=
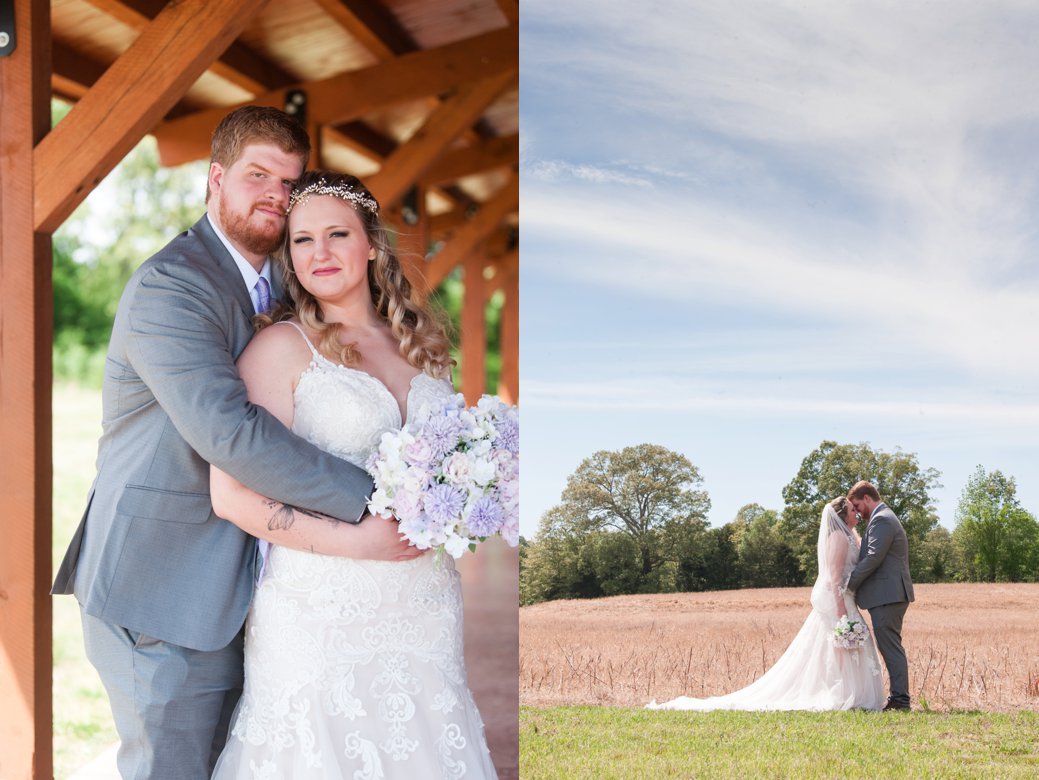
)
(354, 669)
(812, 674)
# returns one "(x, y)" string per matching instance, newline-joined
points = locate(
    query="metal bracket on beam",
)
(8, 41)
(296, 105)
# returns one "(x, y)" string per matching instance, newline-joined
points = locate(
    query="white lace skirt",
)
(811, 675)
(354, 669)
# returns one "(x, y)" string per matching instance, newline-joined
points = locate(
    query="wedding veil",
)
(836, 542)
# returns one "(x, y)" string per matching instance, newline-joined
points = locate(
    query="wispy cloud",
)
(654, 394)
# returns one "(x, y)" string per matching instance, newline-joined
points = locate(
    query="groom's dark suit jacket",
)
(882, 573)
(149, 554)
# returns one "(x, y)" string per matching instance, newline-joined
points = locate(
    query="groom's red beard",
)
(260, 238)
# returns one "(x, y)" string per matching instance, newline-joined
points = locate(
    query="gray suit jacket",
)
(882, 574)
(149, 554)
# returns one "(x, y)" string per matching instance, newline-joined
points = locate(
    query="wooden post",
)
(474, 330)
(508, 384)
(25, 406)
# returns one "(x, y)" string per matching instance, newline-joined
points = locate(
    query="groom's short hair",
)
(863, 488)
(257, 125)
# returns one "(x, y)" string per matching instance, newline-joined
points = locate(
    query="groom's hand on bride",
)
(378, 538)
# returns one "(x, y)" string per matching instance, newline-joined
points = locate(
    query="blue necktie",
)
(263, 292)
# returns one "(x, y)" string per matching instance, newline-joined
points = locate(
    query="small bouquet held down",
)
(451, 475)
(848, 634)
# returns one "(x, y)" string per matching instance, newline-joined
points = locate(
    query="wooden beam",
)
(348, 96)
(466, 239)
(129, 99)
(508, 381)
(474, 331)
(502, 267)
(26, 312)
(510, 8)
(74, 73)
(239, 64)
(483, 156)
(410, 160)
(372, 25)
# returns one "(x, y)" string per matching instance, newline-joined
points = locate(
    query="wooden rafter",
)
(128, 100)
(347, 96)
(511, 10)
(409, 161)
(468, 237)
(372, 25)
(477, 158)
(239, 64)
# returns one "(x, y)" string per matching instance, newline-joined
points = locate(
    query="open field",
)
(970, 646)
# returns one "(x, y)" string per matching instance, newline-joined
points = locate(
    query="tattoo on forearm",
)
(284, 515)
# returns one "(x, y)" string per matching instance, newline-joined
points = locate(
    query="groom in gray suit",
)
(882, 585)
(164, 584)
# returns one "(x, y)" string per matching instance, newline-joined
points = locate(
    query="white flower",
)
(457, 545)
(482, 470)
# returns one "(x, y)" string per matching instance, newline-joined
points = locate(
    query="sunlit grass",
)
(83, 725)
(607, 742)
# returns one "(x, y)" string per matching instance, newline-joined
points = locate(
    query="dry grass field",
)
(970, 646)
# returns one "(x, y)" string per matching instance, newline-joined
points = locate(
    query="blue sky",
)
(752, 226)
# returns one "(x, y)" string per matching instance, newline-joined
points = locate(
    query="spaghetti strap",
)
(302, 333)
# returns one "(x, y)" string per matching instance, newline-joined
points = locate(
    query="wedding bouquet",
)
(849, 634)
(451, 476)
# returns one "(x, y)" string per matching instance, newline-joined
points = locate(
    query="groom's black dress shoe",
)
(894, 705)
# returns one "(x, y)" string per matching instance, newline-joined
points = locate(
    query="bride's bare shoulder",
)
(279, 344)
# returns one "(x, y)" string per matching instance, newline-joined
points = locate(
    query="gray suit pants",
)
(172, 705)
(887, 629)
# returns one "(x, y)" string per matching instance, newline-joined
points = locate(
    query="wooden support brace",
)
(474, 331)
(129, 99)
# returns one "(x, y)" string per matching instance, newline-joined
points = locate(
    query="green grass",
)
(601, 742)
(83, 725)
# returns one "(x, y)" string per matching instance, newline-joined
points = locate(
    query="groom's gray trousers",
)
(172, 705)
(887, 630)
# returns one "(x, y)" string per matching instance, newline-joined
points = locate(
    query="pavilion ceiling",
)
(417, 97)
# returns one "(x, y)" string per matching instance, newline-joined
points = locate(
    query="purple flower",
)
(442, 434)
(485, 518)
(508, 435)
(443, 503)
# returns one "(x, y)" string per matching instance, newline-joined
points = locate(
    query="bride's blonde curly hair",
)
(421, 332)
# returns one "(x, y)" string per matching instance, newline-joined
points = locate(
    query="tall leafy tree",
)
(635, 491)
(999, 538)
(831, 469)
(764, 557)
(629, 521)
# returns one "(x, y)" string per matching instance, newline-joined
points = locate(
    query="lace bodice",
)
(354, 668)
(365, 408)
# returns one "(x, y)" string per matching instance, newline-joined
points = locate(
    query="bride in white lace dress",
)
(353, 667)
(814, 674)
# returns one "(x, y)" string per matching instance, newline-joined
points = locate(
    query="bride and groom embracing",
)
(348, 639)
(829, 665)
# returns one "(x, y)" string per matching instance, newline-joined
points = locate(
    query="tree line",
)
(635, 521)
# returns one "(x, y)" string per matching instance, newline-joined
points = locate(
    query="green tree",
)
(764, 558)
(629, 521)
(830, 471)
(634, 492)
(997, 536)
(940, 559)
